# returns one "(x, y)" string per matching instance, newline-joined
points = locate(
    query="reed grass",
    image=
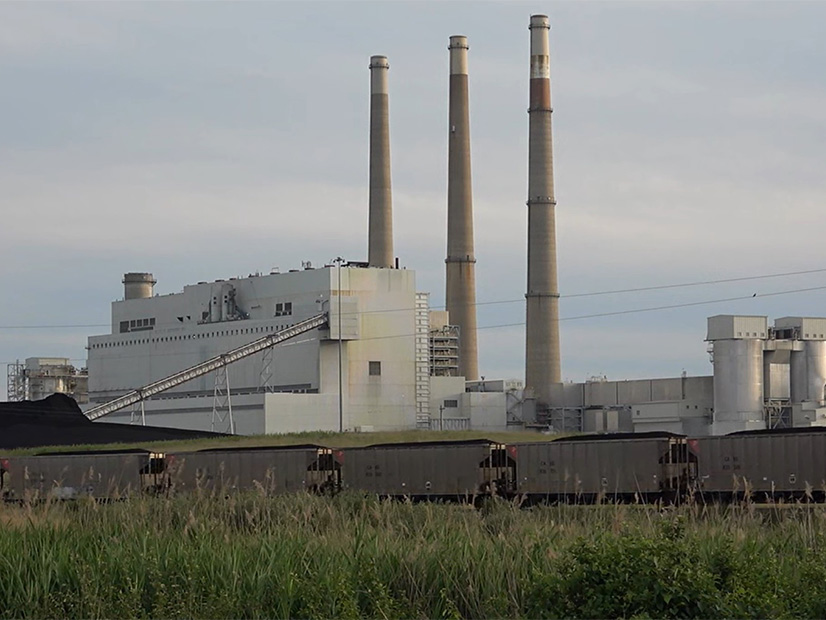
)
(352, 556)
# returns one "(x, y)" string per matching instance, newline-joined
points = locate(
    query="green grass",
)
(353, 556)
(328, 439)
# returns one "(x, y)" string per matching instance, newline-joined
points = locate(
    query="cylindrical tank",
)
(738, 380)
(808, 372)
(138, 285)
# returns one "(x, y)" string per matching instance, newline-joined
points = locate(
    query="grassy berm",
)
(353, 557)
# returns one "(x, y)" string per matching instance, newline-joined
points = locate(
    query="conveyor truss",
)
(217, 363)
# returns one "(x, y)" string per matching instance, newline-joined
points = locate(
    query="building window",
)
(375, 369)
(284, 309)
(136, 325)
(451, 404)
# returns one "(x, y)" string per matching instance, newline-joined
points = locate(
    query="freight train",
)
(648, 467)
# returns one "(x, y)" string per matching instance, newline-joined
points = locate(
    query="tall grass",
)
(353, 556)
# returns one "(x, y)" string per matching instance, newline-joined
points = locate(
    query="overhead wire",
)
(522, 299)
(568, 318)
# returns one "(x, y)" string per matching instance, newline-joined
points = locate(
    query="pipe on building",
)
(138, 285)
(542, 356)
(380, 238)
(460, 264)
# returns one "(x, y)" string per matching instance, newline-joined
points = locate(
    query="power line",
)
(641, 310)
(522, 299)
(701, 283)
(568, 318)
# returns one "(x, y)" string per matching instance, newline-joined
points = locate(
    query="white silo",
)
(738, 372)
(808, 358)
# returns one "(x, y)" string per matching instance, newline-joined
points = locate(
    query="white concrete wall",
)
(298, 413)
(196, 414)
(387, 299)
(447, 389)
(486, 410)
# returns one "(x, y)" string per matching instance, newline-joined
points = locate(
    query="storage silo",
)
(738, 372)
(808, 361)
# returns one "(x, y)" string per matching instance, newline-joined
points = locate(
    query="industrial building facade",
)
(292, 387)
(40, 377)
(764, 377)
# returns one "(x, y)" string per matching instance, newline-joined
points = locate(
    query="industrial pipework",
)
(460, 264)
(380, 238)
(542, 365)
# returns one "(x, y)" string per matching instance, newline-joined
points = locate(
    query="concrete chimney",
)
(380, 241)
(542, 365)
(460, 264)
(138, 285)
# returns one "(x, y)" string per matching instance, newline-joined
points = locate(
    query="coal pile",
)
(58, 421)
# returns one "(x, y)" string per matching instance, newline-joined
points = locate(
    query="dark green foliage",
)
(356, 557)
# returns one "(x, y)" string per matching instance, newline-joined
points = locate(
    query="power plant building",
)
(764, 377)
(40, 377)
(294, 387)
(383, 360)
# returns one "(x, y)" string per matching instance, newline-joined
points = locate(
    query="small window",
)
(288, 307)
(375, 369)
(451, 404)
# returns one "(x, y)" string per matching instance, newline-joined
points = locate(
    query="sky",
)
(203, 140)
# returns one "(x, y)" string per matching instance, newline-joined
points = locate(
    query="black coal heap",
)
(58, 421)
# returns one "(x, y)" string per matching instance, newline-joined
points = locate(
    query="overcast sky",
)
(209, 140)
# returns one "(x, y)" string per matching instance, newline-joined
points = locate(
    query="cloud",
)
(203, 141)
(47, 29)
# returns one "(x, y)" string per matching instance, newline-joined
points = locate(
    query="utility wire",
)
(522, 299)
(701, 283)
(568, 318)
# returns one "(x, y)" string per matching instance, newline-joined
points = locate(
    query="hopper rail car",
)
(648, 467)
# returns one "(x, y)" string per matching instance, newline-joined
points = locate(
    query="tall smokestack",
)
(380, 239)
(542, 365)
(460, 264)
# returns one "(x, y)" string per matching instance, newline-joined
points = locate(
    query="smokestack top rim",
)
(379, 62)
(539, 21)
(138, 276)
(458, 41)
